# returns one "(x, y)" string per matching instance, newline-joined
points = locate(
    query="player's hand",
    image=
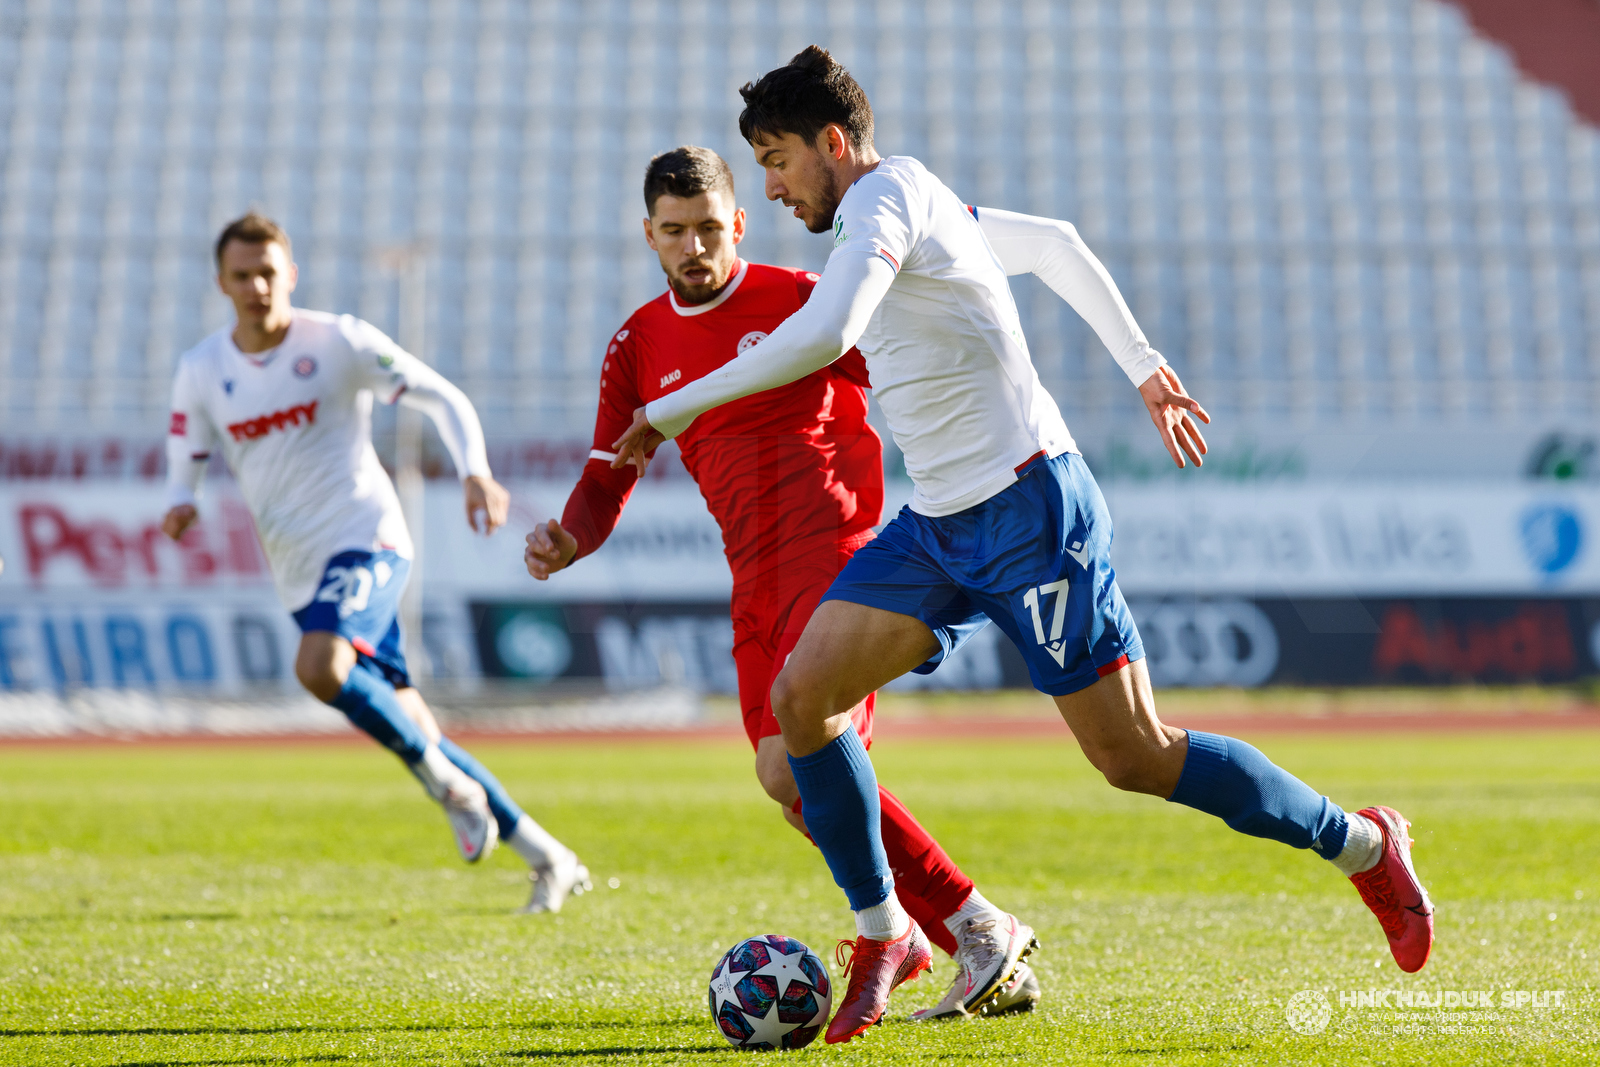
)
(635, 445)
(488, 496)
(550, 548)
(178, 519)
(1170, 408)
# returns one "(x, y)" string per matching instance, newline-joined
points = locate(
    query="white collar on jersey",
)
(258, 359)
(709, 305)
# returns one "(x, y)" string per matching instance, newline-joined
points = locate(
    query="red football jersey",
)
(785, 472)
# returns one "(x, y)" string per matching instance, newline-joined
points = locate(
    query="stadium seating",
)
(1325, 211)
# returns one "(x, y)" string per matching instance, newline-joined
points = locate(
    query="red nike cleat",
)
(1395, 895)
(876, 969)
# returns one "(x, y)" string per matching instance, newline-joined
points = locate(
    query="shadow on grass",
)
(227, 1063)
(1170, 1050)
(634, 1050)
(202, 1031)
(125, 917)
(600, 1024)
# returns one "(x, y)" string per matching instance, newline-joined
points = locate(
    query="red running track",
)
(972, 728)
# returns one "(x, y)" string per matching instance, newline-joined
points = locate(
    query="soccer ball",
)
(770, 992)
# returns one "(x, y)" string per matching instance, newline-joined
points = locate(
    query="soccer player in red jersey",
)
(794, 478)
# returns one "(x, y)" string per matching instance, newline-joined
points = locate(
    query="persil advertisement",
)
(1231, 585)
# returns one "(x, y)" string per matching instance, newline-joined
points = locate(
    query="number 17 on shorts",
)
(1057, 592)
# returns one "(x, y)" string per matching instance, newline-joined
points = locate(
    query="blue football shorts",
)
(359, 599)
(1035, 559)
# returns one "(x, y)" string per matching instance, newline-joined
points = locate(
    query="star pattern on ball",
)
(722, 989)
(784, 968)
(769, 992)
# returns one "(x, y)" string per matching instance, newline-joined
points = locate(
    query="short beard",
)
(829, 193)
(696, 294)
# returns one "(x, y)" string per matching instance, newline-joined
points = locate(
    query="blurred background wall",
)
(1367, 233)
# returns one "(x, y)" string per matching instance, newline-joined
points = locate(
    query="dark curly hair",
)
(802, 97)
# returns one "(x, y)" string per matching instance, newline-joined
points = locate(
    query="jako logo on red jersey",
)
(262, 425)
(668, 379)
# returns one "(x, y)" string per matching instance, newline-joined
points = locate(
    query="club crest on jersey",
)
(668, 379)
(227, 386)
(305, 367)
(1058, 617)
(750, 340)
(179, 426)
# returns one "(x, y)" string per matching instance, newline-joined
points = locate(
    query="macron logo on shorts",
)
(261, 425)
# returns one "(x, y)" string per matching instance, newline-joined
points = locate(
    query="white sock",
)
(974, 907)
(1363, 847)
(535, 844)
(437, 774)
(883, 922)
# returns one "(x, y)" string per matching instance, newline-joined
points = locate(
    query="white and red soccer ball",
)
(770, 992)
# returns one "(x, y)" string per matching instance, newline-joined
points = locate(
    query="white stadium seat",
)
(1353, 195)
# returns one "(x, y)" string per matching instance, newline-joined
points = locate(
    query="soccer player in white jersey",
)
(286, 395)
(1005, 524)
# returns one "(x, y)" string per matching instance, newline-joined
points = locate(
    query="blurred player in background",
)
(286, 394)
(794, 478)
(1005, 523)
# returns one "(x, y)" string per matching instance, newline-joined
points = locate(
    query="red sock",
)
(929, 884)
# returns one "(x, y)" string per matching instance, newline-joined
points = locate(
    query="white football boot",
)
(1020, 994)
(552, 885)
(989, 956)
(465, 804)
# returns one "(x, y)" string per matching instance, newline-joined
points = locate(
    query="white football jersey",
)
(945, 350)
(295, 426)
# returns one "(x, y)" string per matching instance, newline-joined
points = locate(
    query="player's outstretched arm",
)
(550, 549)
(825, 328)
(1053, 250)
(425, 389)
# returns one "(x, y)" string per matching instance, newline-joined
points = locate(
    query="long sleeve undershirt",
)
(453, 416)
(849, 291)
(1052, 250)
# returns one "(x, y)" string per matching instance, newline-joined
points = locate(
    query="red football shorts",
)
(769, 615)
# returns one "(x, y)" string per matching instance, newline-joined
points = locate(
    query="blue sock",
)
(839, 792)
(506, 812)
(369, 702)
(1225, 777)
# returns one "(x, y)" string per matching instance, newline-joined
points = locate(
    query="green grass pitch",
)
(300, 904)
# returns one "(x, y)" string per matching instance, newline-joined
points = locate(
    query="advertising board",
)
(1241, 585)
